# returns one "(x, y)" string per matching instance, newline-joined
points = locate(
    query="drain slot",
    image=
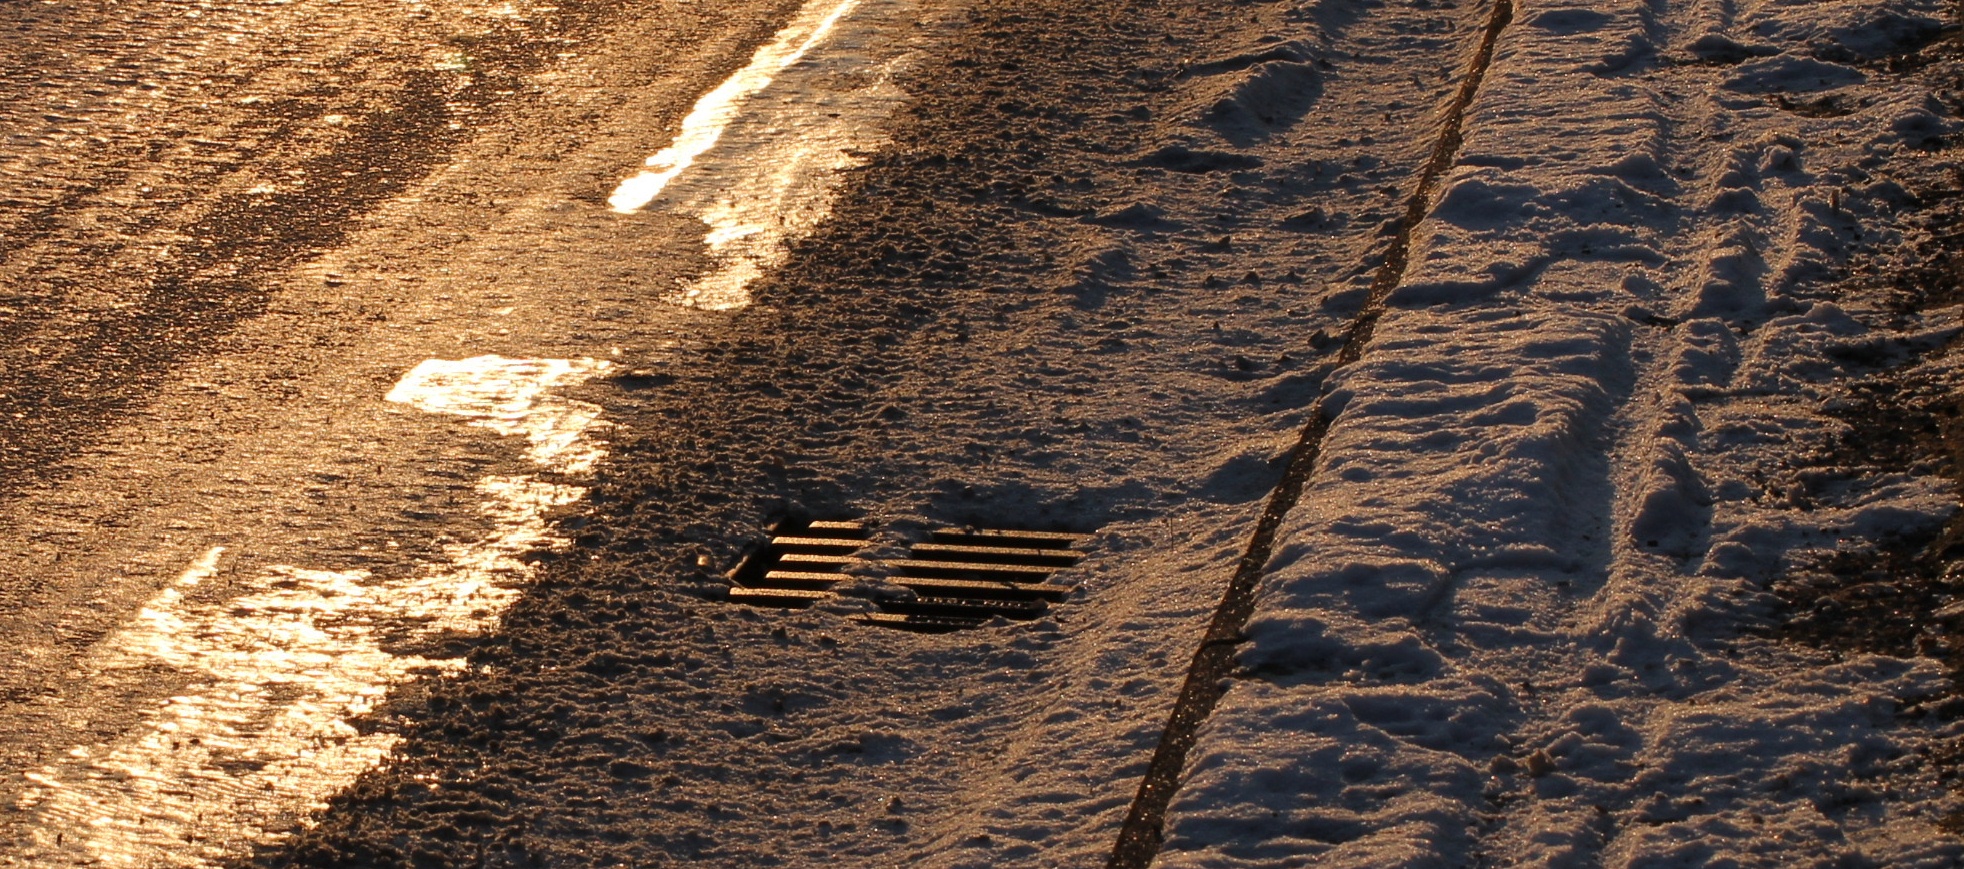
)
(958, 578)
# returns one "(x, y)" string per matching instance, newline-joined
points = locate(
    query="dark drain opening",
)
(958, 578)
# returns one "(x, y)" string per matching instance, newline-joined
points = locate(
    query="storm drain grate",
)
(957, 578)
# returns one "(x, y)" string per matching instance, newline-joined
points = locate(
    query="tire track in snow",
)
(1504, 623)
(1745, 289)
(159, 179)
(1140, 836)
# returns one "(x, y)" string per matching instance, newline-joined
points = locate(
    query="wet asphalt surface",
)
(166, 162)
(229, 229)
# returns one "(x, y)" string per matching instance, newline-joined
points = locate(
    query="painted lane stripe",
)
(261, 735)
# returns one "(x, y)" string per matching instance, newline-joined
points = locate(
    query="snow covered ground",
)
(1527, 609)
(1512, 619)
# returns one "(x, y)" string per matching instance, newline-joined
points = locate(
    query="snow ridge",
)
(1142, 833)
(1504, 626)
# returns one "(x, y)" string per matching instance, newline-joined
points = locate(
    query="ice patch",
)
(514, 397)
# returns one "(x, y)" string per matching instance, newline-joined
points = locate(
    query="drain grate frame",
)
(955, 579)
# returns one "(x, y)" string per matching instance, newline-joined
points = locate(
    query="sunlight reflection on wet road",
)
(261, 735)
(718, 109)
(812, 103)
(271, 669)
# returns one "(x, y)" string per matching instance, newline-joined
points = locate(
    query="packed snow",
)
(1511, 620)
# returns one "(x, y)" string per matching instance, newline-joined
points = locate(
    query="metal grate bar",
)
(817, 544)
(967, 607)
(967, 570)
(983, 589)
(855, 529)
(800, 579)
(1031, 539)
(996, 554)
(924, 624)
(808, 560)
(961, 578)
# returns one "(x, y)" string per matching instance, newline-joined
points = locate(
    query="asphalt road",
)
(227, 231)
